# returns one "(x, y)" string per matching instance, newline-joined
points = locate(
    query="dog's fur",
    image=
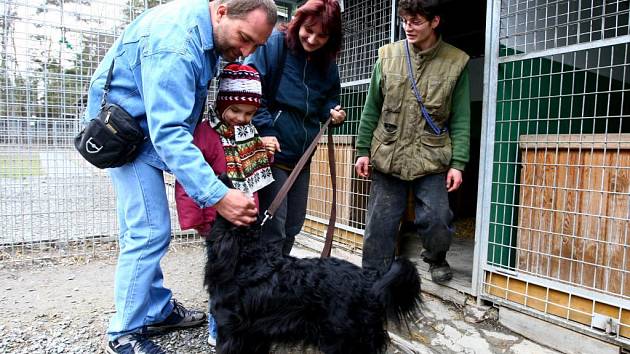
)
(260, 297)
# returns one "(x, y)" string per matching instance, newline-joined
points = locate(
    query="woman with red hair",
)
(300, 90)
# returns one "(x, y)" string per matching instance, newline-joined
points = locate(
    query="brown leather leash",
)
(275, 204)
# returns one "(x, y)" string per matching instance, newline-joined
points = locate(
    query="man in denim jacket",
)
(163, 63)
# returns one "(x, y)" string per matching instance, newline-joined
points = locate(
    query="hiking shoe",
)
(178, 319)
(133, 343)
(212, 331)
(440, 272)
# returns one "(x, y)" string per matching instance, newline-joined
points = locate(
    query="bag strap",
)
(423, 109)
(275, 204)
(107, 84)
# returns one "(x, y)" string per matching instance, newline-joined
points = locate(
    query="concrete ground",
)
(443, 326)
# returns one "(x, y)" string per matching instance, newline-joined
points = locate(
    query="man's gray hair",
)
(240, 8)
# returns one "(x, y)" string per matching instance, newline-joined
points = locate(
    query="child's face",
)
(238, 114)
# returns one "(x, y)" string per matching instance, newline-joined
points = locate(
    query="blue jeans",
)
(145, 233)
(289, 217)
(386, 206)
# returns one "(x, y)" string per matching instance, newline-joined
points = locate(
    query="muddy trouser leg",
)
(386, 205)
(433, 216)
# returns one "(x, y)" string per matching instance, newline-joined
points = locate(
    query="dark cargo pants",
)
(386, 205)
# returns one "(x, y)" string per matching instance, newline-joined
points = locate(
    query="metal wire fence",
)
(528, 26)
(52, 203)
(366, 28)
(559, 219)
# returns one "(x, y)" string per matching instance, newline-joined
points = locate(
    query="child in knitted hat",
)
(231, 145)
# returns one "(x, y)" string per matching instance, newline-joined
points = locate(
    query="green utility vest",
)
(404, 145)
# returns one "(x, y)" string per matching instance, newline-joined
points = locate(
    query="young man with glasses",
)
(414, 131)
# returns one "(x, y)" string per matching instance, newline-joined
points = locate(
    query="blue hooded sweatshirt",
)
(305, 95)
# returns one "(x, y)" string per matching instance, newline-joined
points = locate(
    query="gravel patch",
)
(64, 305)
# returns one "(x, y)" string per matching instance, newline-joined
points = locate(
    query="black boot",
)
(440, 272)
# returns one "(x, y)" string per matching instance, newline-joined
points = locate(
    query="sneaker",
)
(440, 272)
(212, 331)
(132, 344)
(178, 319)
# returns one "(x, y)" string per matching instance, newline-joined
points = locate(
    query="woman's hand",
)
(338, 115)
(271, 144)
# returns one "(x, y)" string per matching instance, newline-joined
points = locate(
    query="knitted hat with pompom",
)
(238, 84)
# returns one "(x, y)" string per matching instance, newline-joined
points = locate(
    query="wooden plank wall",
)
(351, 240)
(351, 193)
(555, 302)
(320, 189)
(573, 222)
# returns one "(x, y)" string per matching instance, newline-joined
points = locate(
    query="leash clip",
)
(267, 217)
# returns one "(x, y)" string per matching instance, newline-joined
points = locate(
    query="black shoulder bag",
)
(113, 138)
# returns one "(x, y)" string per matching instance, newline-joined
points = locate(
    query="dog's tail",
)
(399, 290)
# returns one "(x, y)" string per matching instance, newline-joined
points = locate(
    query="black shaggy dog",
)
(260, 297)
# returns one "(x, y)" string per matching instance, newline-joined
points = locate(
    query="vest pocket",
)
(386, 133)
(393, 90)
(439, 92)
(383, 146)
(436, 151)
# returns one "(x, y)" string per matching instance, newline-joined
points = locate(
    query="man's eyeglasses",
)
(414, 22)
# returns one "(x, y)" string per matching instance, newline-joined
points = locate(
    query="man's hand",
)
(237, 208)
(453, 179)
(362, 166)
(271, 144)
(338, 115)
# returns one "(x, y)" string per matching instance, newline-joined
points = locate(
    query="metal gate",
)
(553, 213)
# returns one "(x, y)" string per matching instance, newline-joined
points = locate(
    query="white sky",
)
(101, 16)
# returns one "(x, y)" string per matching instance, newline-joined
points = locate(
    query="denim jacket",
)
(164, 61)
